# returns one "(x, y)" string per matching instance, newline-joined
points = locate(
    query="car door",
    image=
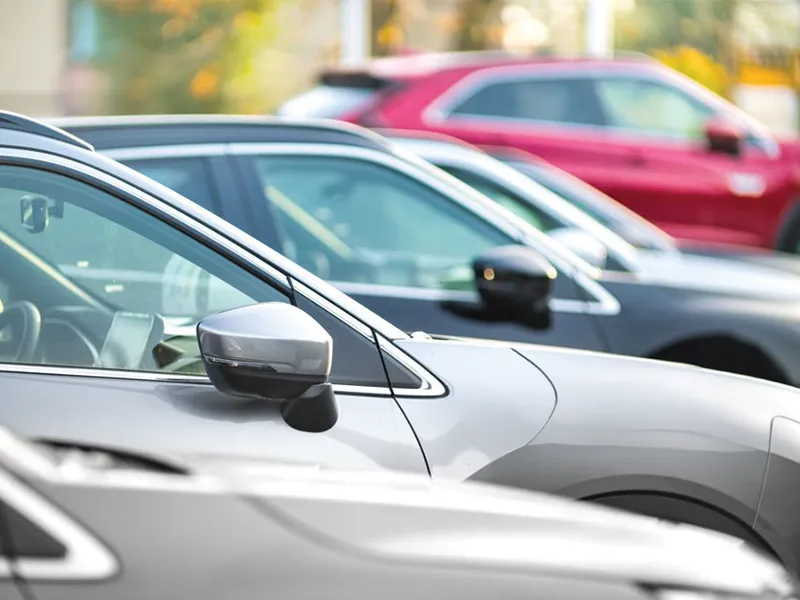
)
(110, 282)
(659, 164)
(388, 236)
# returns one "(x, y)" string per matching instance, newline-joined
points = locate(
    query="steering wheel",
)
(24, 323)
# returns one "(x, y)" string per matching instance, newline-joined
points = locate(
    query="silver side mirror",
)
(272, 351)
(583, 244)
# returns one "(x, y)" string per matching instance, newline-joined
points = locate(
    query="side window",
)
(512, 202)
(356, 359)
(651, 107)
(190, 177)
(115, 286)
(567, 100)
(356, 221)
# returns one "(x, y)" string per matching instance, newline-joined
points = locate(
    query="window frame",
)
(243, 257)
(599, 301)
(440, 111)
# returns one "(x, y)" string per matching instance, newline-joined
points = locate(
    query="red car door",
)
(660, 165)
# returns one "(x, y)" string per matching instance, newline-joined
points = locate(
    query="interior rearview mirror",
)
(723, 137)
(584, 244)
(273, 352)
(514, 284)
(34, 213)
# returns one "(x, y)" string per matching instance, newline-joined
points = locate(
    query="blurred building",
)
(33, 44)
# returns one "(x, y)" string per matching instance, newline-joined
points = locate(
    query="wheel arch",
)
(723, 352)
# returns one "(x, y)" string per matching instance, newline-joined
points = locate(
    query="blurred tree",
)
(693, 36)
(477, 20)
(185, 56)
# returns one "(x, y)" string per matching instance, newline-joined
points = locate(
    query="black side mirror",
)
(514, 284)
(723, 137)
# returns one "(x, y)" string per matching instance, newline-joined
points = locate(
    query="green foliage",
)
(186, 56)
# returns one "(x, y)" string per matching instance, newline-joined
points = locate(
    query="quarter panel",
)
(497, 403)
(159, 416)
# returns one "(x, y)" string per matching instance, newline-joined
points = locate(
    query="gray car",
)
(135, 317)
(86, 523)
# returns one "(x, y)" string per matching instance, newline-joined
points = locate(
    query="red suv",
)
(660, 143)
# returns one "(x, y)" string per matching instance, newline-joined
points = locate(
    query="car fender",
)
(627, 424)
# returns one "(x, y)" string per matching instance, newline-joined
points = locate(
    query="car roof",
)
(160, 130)
(423, 64)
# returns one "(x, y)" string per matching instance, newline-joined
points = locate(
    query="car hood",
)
(767, 277)
(409, 518)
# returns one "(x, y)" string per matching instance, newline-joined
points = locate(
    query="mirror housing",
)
(34, 213)
(272, 351)
(724, 137)
(584, 244)
(514, 284)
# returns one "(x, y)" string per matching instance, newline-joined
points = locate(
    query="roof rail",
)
(17, 122)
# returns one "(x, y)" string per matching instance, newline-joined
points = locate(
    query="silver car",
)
(99, 523)
(134, 317)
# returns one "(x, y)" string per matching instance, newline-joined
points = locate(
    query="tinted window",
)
(651, 107)
(189, 177)
(20, 538)
(551, 100)
(352, 220)
(514, 203)
(356, 359)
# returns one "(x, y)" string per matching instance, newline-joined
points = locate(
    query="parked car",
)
(91, 523)
(599, 230)
(663, 145)
(402, 237)
(142, 320)
(632, 227)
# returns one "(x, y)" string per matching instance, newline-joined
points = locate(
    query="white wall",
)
(33, 38)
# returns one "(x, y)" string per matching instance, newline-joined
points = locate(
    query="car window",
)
(568, 100)
(116, 287)
(651, 107)
(189, 177)
(356, 221)
(532, 214)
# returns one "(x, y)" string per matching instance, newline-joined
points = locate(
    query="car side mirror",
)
(584, 244)
(514, 284)
(724, 137)
(274, 352)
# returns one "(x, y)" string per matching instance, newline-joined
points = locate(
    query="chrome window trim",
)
(166, 151)
(86, 559)
(604, 304)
